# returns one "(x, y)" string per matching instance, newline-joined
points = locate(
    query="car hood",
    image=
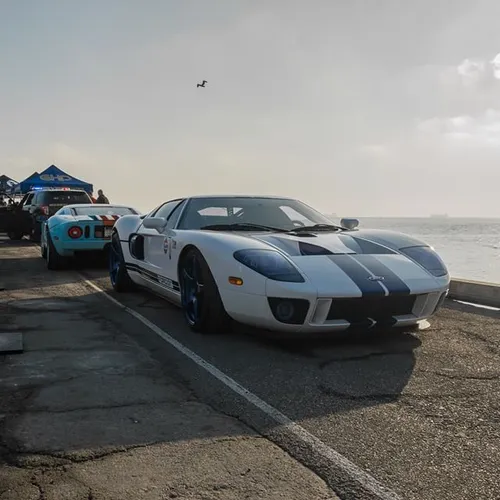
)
(368, 260)
(338, 243)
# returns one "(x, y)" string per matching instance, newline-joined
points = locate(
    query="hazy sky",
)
(372, 107)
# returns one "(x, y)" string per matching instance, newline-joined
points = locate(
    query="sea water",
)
(469, 247)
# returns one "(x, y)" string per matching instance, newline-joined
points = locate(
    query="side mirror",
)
(157, 223)
(349, 223)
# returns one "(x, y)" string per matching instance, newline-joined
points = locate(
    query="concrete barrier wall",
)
(477, 292)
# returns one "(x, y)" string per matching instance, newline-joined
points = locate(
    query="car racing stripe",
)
(391, 280)
(289, 246)
(105, 218)
(157, 278)
(358, 274)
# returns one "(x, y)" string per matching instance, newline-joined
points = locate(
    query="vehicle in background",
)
(25, 218)
(79, 228)
(277, 264)
(46, 202)
(15, 217)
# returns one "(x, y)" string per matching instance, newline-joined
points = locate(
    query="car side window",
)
(29, 199)
(166, 209)
(175, 214)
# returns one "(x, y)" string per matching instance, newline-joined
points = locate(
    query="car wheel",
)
(43, 244)
(37, 232)
(15, 235)
(43, 251)
(118, 275)
(201, 303)
(55, 261)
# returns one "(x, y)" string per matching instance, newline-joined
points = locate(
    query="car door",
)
(6, 213)
(26, 202)
(22, 220)
(154, 253)
(163, 256)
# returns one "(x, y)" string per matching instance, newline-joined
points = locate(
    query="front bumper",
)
(330, 314)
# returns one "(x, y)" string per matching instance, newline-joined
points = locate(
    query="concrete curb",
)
(476, 292)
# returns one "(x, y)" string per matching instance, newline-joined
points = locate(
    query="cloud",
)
(474, 72)
(495, 63)
(465, 130)
(471, 72)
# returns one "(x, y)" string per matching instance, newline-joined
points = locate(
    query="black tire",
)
(43, 249)
(36, 232)
(212, 317)
(119, 277)
(55, 261)
(15, 235)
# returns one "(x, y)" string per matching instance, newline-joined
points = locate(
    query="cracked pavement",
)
(419, 411)
(86, 413)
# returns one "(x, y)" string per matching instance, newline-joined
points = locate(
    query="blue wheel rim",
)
(192, 289)
(114, 261)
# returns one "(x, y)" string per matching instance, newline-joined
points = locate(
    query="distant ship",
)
(439, 216)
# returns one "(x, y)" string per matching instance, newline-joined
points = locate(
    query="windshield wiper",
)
(317, 227)
(242, 226)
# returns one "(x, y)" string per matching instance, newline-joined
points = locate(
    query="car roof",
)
(271, 197)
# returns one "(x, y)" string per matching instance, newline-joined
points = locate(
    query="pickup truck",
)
(27, 216)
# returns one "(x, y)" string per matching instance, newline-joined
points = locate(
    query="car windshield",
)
(103, 210)
(278, 213)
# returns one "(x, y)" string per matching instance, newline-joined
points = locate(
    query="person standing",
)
(101, 198)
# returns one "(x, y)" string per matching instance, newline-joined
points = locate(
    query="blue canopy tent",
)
(53, 177)
(7, 184)
(16, 190)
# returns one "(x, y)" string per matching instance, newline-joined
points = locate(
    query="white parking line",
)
(335, 458)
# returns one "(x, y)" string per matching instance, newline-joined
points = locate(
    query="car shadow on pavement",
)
(354, 369)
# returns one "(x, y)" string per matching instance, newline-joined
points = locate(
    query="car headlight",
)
(427, 258)
(270, 264)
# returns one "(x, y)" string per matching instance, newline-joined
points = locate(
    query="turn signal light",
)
(75, 232)
(235, 281)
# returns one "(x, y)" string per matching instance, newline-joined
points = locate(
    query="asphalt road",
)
(86, 412)
(419, 412)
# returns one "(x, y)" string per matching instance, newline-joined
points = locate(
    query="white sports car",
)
(275, 263)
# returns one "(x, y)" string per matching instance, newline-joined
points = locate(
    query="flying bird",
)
(202, 84)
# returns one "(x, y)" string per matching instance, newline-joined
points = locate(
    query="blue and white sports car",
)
(277, 264)
(79, 228)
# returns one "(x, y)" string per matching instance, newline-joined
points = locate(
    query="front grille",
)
(358, 309)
